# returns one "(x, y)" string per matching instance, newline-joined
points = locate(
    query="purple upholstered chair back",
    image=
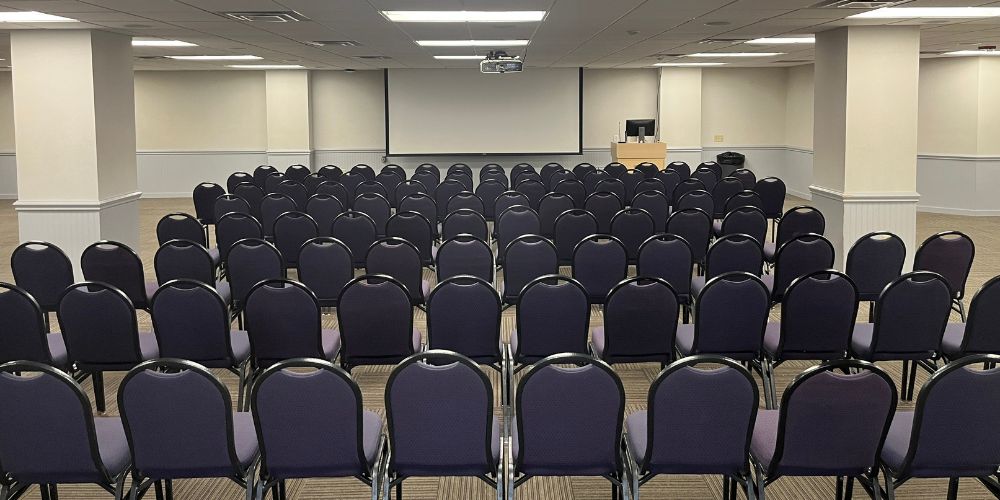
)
(22, 332)
(463, 315)
(179, 226)
(108, 338)
(632, 226)
(323, 208)
(599, 263)
(699, 418)
(283, 321)
(575, 189)
(366, 171)
(191, 322)
(235, 227)
(557, 177)
(570, 227)
(260, 173)
(467, 255)
(47, 429)
(118, 265)
(592, 179)
(746, 220)
(400, 259)
(237, 178)
(325, 266)
(515, 221)
(603, 205)
(911, 316)
(551, 206)
(291, 230)
(699, 199)
(183, 259)
(745, 198)
(874, 261)
(273, 205)
(569, 418)
(295, 190)
(43, 270)
(358, 231)
(707, 177)
(801, 255)
(428, 178)
(376, 206)
(335, 189)
(375, 315)
(553, 316)
(817, 316)
(297, 173)
(246, 192)
(730, 316)
(670, 179)
(351, 180)
(615, 186)
(582, 169)
(630, 180)
(949, 254)
(466, 200)
(179, 422)
(331, 172)
(981, 334)
(725, 189)
(415, 228)
(734, 253)
(668, 257)
(831, 423)
(389, 180)
(533, 189)
(800, 220)
(745, 176)
(685, 186)
(528, 257)
(308, 415)
(954, 426)
(640, 321)
(488, 190)
(695, 226)
(406, 188)
(204, 196)
(251, 261)
(772, 193)
(443, 193)
(465, 221)
(656, 204)
(439, 406)
(682, 169)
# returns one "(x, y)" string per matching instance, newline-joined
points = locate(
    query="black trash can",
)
(730, 161)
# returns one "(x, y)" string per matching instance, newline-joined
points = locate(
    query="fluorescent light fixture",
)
(136, 42)
(464, 16)
(928, 12)
(782, 40)
(973, 53)
(472, 43)
(31, 16)
(216, 58)
(265, 66)
(674, 64)
(735, 54)
(460, 57)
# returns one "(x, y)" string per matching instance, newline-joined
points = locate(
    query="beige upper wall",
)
(799, 84)
(989, 106)
(612, 96)
(348, 110)
(680, 107)
(288, 109)
(948, 116)
(200, 111)
(6, 114)
(746, 106)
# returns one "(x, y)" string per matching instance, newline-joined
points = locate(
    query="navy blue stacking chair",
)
(416, 229)
(603, 205)
(553, 316)
(873, 261)
(325, 265)
(575, 189)
(118, 265)
(533, 190)
(640, 323)
(291, 230)
(252, 260)
(424, 205)
(978, 334)
(794, 222)
(237, 178)
(949, 254)
(729, 319)
(183, 259)
(272, 206)
(463, 316)
(375, 315)
(204, 196)
(375, 206)
(465, 255)
(695, 226)
(656, 204)
(599, 263)
(550, 207)
(570, 228)
(24, 333)
(295, 190)
(488, 191)
(399, 259)
(632, 226)
(516, 221)
(668, 257)
(43, 270)
(357, 231)
(331, 172)
(799, 256)
(527, 257)
(260, 174)
(284, 321)
(323, 208)
(731, 253)
(404, 189)
(232, 228)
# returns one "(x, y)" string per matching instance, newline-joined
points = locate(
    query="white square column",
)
(74, 119)
(289, 118)
(865, 133)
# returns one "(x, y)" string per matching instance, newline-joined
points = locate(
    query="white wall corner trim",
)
(74, 205)
(865, 197)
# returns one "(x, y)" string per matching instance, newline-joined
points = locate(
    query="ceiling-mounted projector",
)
(498, 61)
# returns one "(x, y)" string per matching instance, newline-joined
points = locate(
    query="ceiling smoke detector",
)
(267, 16)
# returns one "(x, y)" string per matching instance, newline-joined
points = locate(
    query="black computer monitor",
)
(632, 127)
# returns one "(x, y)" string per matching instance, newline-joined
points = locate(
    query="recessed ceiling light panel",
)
(464, 16)
(736, 54)
(265, 66)
(216, 58)
(472, 43)
(789, 40)
(478, 58)
(140, 42)
(30, 16)
(683, 65)
(929, 12)
(973, 53)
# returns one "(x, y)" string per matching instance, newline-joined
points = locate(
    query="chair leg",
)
(953, 488)
(725, 487)
(241, 389)
(44, 488)
(913, 379)
(159, 490)
(98, 378)
(840, 488)
(890, 487)
(903, 382)
(961, 309)
(169, 489)
(849, 489)
(54, 491)
(761, 494)
(399, 490)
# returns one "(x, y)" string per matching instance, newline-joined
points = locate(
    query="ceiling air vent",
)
(854, 4)
(337, 43)
(374, 57)
(271, 16)
(724, 40)
(667, 55)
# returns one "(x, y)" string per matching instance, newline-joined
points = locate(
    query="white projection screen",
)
(462, 111)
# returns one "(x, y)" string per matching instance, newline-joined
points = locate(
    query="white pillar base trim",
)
(74, 225)
(281, 159)
(852, 215)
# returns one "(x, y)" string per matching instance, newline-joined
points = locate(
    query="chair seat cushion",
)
(151, 288)
(772, 335)
(685, 338)
(636, 434)
(224, 290)
(331, 343)
(697, 284)
(495, 440)
(244, 437)
(597, 340)
(951, 343)
(215, 255)
(768, 280)
(861, 340)
(765, 436)
(240, 342)
(425, 288)
(148, 346)
(112, 444)
(417, 340)
(770, 249)
(897, 441)
(371, 431)
(717, 227)
(57, 349)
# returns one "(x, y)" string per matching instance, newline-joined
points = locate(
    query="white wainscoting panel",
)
(959, 184)
(73, 225)
(175, 174)
(282, 159)
(852, 215)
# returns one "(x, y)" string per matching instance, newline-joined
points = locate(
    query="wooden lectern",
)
(631, 154)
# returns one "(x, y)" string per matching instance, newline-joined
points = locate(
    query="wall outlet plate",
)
(720, 138)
